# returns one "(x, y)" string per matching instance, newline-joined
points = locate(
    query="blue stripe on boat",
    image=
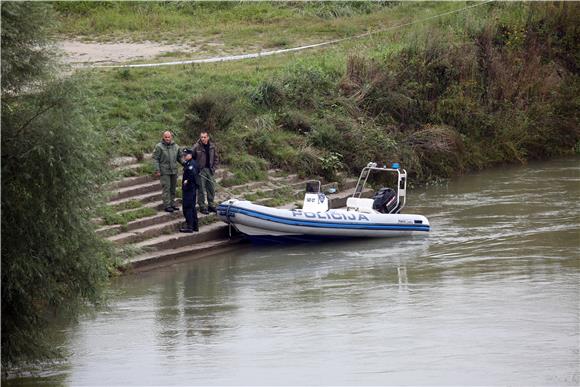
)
(317, 224)
(286, 239)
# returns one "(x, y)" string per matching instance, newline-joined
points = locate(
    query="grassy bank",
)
(213, 26)
(494, 84)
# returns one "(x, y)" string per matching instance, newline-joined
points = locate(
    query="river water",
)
(490, 297)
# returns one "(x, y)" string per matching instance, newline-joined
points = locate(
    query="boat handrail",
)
(401, 182)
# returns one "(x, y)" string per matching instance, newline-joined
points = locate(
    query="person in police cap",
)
(188, 189)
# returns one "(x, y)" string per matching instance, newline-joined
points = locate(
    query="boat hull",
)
(261, 221)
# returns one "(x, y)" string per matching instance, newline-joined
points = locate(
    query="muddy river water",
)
(490, 297)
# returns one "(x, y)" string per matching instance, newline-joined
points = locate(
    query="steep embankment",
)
(494, 84)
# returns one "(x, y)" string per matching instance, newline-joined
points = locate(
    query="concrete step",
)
(263, 190)
(286, 179)
(147, 188)
(221, 173)
(123, 161)
(160, 207)
(217, 230)
(143, 198)
(143, 233)
(108, 230)
(170, 256)
(128, 168)
(159, 218)
(263, 201)
(157, 205)
(135, 190)
(132, 181)
(349, 183)
(298, 186)
(150, 191)
(243, 188)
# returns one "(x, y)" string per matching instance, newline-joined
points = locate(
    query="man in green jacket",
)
(166, 156)
(207, 158)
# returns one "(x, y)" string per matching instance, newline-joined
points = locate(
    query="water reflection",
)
(193, 304)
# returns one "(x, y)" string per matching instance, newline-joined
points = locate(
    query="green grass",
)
(418, 95)
(275, 198)
(145, 168)
(235, 25)
(129, 205)
(111, 216)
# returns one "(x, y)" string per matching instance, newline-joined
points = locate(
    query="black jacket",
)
(190, 172)
(201, 157)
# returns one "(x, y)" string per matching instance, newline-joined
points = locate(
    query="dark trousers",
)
(206, 186)
(189, 211)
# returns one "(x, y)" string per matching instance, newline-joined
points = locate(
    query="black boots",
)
(207, 210)
(188, 229)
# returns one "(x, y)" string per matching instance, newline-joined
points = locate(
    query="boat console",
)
(314, 200)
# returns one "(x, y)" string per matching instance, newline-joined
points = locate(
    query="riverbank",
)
(460, 92)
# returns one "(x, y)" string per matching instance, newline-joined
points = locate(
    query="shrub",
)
(246, 168)
(331, 164)
(295, 121)
(212, 111)
(267, 94)
(306, 85)
(439, 149)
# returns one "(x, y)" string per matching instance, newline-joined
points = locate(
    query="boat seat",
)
(360, 204)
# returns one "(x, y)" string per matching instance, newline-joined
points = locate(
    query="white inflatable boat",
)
(363, 217)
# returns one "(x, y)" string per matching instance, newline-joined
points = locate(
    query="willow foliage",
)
(52, 165)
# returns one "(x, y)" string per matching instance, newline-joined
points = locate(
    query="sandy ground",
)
(79, 53)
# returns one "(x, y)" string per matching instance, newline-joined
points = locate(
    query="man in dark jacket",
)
(188, 188)
(166, 157)
(206, 156)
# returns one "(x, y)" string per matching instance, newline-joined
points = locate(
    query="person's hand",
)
(157, 173)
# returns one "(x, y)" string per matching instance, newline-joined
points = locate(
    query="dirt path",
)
(79, 53)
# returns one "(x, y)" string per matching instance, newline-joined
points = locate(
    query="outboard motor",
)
(385, 201)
